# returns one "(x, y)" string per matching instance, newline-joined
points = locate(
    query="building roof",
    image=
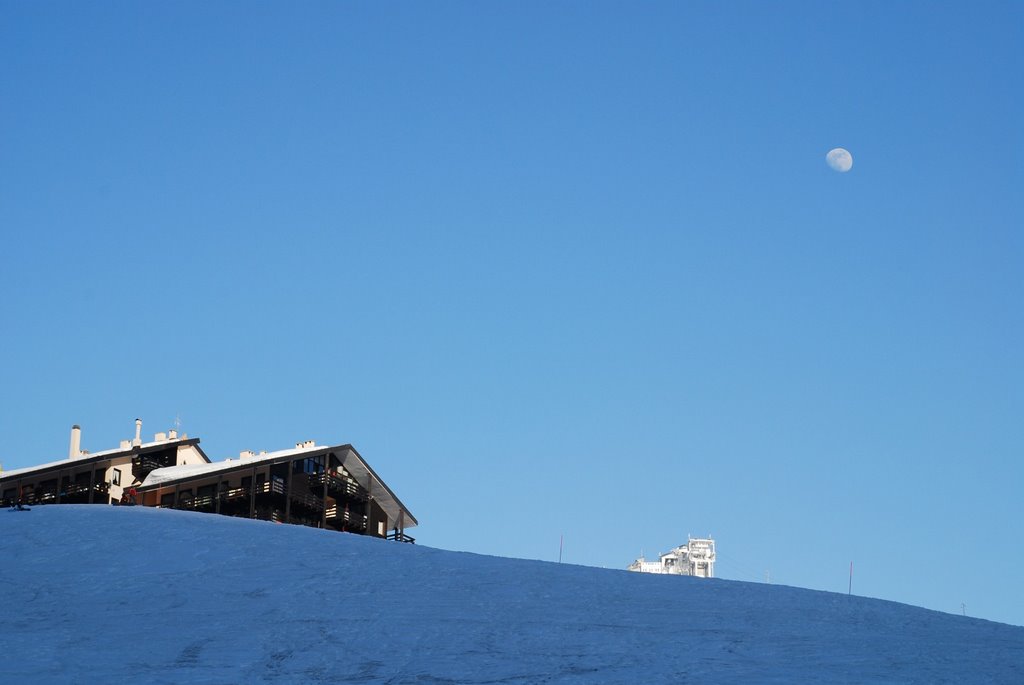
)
(93, 457)
(352, 461)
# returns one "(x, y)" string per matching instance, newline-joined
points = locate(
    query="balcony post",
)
(323, 513)
(252, 494)
(369, 503)
(288, 492)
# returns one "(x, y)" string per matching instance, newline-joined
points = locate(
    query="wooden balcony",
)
(399, 536)
(339, 486)
(352, 519)
(308, 501)
(234, 494)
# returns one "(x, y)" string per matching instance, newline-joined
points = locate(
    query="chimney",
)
(138, 433)
(76, 442)
(172, 434)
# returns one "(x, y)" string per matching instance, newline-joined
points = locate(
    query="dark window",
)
(247, 482)
(167, 500)
(116, 477)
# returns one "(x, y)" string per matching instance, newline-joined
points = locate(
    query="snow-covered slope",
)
(111, 594)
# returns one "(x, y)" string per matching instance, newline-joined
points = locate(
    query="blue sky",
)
(573, 268)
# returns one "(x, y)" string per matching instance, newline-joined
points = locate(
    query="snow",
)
(131, 594)
(169, 473)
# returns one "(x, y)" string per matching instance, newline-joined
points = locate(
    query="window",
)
(116, 477)
(167, 500)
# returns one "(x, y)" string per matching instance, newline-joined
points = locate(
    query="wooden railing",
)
(338, 485)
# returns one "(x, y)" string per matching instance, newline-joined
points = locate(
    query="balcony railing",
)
(341, 516)
(339, 486)
(232, 494)
(272, 486)
(400, 536)
(309, 501)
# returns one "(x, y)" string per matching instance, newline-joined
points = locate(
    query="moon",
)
(839, 159)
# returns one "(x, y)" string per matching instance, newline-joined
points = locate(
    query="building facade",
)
(330, 487)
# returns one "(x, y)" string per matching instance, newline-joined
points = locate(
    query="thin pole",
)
(850, 590)
(561, 541)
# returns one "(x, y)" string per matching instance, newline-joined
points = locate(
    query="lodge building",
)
(324, 487)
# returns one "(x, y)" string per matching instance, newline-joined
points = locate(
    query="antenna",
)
(177, 422)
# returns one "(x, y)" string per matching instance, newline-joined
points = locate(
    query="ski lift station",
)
(695, 558)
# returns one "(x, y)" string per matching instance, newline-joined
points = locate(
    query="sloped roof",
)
(93, 457)
(352, 460)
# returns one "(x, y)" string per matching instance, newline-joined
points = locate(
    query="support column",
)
(288, 493)
(252, 494)
(92, 484)
(323, 514)
(369, 505)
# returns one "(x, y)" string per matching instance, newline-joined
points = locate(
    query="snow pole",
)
(849, 590)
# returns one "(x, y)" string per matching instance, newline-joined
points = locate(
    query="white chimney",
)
(172, 434)
(138, 433)
(246, 454)
(75, 449)
(160, 437)
(126, 444)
